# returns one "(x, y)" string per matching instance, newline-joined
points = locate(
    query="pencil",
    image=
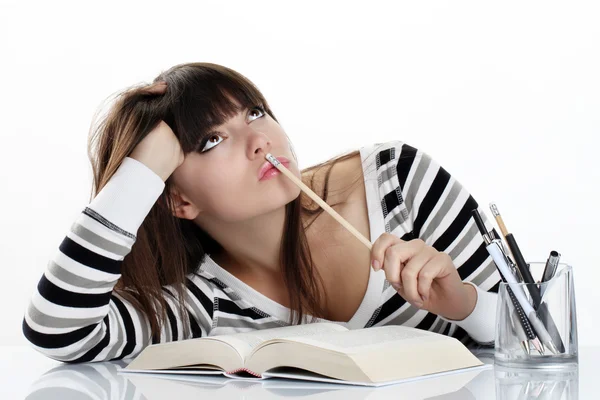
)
(318, 200)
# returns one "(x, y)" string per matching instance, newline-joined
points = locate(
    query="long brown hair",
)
(167, 248)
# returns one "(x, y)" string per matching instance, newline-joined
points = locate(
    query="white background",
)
(505, 95)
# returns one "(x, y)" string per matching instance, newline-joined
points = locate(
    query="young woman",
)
(184, 236)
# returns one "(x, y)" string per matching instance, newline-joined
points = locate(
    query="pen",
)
(525, 324)
(514, 248)
(551, 265)
(498, 256)
(549, 270)
(494, 235)
(533, 289)
(518, 327)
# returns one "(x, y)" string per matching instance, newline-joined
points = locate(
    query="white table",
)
(24, 373)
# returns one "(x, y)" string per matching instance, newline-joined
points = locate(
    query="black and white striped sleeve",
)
(74, 315)
(438, 209)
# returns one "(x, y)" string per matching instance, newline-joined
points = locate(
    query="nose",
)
(259, 145)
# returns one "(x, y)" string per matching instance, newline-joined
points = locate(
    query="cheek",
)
(203, 180)
(232, 202)
(229, 194)
(224, 195)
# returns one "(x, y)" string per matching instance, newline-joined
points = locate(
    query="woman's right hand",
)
(160, 150)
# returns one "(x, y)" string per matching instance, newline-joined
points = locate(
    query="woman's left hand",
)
(423, 276)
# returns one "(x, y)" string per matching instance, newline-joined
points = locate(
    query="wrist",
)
(480, 323)
(471, 302)
(464, 303)
(161, 170)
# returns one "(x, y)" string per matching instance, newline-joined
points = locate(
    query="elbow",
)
(37, 341)
(58, 347)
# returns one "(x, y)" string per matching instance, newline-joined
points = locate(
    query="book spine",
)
(235, 371)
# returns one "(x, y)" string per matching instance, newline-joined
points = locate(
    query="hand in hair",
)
(158, 87)
(159, 150)
(424, 276)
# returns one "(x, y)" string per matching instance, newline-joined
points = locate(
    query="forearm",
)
(73, 314)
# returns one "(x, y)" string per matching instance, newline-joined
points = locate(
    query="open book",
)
(325, 352)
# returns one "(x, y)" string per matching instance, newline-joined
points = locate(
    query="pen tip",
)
(538, 346)
(550, 345)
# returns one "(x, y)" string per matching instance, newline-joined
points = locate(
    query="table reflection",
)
(518, 384)
(103, 381)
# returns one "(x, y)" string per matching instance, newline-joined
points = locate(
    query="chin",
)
(293, 190)
(282, 200)
(293, 196)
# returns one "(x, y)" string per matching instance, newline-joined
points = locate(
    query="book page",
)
(369, 355)
(246, 342)
(362, 339)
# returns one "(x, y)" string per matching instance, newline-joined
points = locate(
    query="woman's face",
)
(221, 178)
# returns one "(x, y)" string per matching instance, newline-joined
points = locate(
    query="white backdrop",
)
(505, 95)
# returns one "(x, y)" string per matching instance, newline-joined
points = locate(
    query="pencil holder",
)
(542, 333)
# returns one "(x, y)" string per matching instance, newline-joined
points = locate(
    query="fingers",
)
(379, 247)
(392, 265)
(410, 267)
(158, 87)
(396, 256)
(410, 275)
(432, 269)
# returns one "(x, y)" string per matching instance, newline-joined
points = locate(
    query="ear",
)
(183, 207)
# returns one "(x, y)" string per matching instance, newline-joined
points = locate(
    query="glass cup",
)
(555, 329)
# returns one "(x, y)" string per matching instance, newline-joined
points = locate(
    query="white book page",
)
(246, 342)
(362, 339)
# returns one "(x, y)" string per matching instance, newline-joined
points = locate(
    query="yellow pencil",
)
(318, 200)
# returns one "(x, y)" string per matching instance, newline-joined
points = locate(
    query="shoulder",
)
(339, 175)
(397, 163)
(345, 179)
(344, 175)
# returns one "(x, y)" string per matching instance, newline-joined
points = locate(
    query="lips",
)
(267, 166)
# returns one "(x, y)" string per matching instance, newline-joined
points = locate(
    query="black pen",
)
(514, 249)
(494, 235)
(533, 289)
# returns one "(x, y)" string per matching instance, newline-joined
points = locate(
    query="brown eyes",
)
(207, 140)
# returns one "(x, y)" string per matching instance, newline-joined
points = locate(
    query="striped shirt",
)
(75, 316)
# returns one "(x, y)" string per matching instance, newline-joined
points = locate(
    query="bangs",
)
(203, 98)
